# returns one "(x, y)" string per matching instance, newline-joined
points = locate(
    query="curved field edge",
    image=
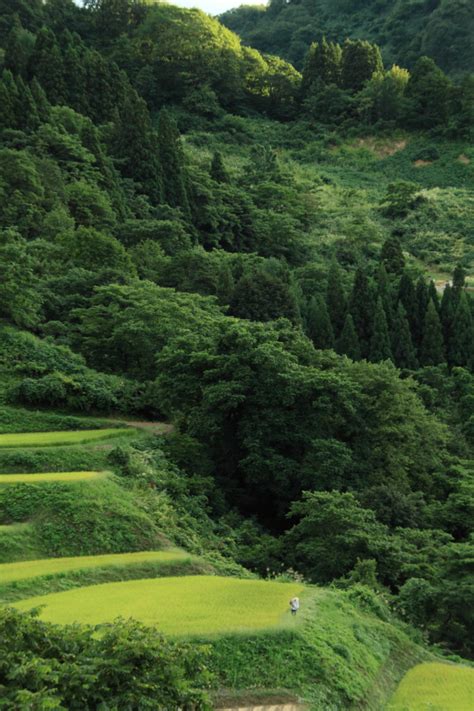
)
(51, 439)
(338, 657)
(12, 572)
(433, 686)
(45, 585)
(51, 477)
(177, 606)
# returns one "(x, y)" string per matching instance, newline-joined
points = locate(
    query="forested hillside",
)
(279, 265)
(405, 29)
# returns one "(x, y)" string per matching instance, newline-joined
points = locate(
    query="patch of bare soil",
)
(382, 150)
(422, 163)
(464, 159)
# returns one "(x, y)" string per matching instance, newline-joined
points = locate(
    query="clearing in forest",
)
(435, 687)
(51, 477)
(13, 572)
(51, 439)
(188, 605)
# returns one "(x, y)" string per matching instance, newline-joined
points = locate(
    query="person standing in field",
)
(294, 605)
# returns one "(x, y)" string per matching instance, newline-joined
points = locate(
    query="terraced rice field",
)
(188, 605)
(51, 439)
(435, 687)
(51, 477)
(13, 572)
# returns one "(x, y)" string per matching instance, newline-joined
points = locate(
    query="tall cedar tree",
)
(380, 342)
(8, 102)
(135, 145)
(384, 292)
(362, 310)
(46, 64)
(392, 256)
(407, 296)
(432, 346)
(322, 65)
(419, 310)
(447, 312)
(404, 353)
(360, 61)
(461, 345)
(172, 161)
(318, 324)
(336, 300)
(218, 170)
(348, 341)
(459, 282)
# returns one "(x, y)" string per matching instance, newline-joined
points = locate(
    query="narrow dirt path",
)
(278, 707)
(151, 427)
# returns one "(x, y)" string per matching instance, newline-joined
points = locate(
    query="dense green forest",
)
(277, 261)
(404, 29)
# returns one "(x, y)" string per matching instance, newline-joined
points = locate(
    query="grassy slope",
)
(345, 182)
(435, 687)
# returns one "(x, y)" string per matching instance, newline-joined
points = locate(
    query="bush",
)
(128, 666)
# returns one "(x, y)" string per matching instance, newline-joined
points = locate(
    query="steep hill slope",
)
(405, 29)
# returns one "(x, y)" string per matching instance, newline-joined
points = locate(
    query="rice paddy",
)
(189, 605)
(435, 687)
(51, 439)
(13, 572)
(51, 477)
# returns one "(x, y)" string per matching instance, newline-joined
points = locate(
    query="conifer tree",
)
(432, 346)
(318, 324)
(225, 284)
(392, 256)
(404, 353)
(322, 65)
(218, 170)
(360, 61)
(17, 49)
(384, 292)
(28, 118)
(461, 345)
(459, 282)
(433, 295)
(419, 310)
(8, 103)
(336, 299)
(362, 310)
(135, 145)
(380, 342)
(41, 102)
(348, 341)
(172, 161)
(407, 296)
(46, 64)
(447, 312)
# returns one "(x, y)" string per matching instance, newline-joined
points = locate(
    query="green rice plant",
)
(50, 477)
(49, 439)
(191, 605)
(11, 572)
(435, 687)
(85, 577)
